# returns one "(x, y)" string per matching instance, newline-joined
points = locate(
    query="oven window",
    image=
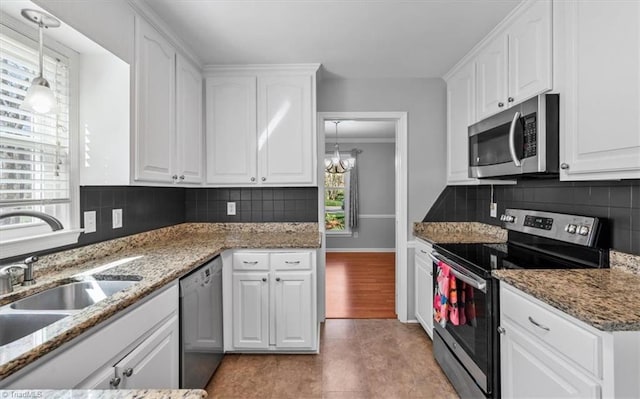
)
(492, 146)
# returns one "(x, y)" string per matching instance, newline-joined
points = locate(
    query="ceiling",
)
(350, 38)
(359, 131)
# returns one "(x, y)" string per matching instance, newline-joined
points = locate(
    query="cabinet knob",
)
(114, 382)
(510, 99)
(181, 177)
(264, 179)
(564, 166)
(174, 177)
(264, 279)
(500, 104)
(501, 330)
(431, 273)
(128, 372)
(253, 179)
(277, 278)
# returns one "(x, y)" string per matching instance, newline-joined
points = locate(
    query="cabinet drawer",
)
(291, 261)
(560, 333)
(422, 250)
(250, 261)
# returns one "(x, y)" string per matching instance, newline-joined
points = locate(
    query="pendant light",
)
(40, 98)
(335, 164)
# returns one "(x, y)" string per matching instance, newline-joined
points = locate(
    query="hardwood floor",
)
(360, 285)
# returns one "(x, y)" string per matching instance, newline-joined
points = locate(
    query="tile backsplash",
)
(616, 201)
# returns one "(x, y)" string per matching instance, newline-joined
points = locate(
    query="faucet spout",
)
(54, 223)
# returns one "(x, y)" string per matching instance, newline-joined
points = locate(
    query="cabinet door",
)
(600, 101)
(231, 130)
(155, 105)
(529, 370)
(491, 78)
(530, 52)
(155, 362)
(424, 293)
(250, 310)
(189, 122)
(286, 129)
(294, 310)
(460, 114)
(100, 380)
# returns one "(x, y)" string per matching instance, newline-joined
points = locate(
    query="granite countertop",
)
(155, 258)
(607, 299)
(459, 232)
(108, 394)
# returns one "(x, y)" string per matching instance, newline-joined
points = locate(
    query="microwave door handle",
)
(512, 139)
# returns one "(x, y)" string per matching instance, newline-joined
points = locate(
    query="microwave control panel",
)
(530, 142)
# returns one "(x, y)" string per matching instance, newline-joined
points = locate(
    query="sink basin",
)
(18, 325)
(73, 296)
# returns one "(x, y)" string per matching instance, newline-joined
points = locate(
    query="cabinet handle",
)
(181, 177)
(277, 278)
(174, 177)
(253, 179)
(264, 279)
(292, 262)
(510, 99)
(253, 262)
(114, 382)
(564, 166)
(264, 179)
(535, 323)
(500, 104)
(424, 252)
(128, 372)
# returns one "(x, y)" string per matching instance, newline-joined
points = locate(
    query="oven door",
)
(468, 337)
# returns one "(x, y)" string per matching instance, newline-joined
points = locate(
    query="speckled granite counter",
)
(156, 258)
(459, 232)
(107, 394)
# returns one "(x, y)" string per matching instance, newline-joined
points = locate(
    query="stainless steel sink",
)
(18, 325)
(73, 296)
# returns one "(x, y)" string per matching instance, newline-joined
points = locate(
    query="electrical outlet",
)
(493, 209)
(90, 222)
(231, 208)
(116, 218)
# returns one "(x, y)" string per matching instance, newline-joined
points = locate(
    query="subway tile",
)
(256, 194)
(620, 196)
(635, 219)
(635, 195)
(278, 194)
(256, 216)
(267, 194)
(599, 196)
(621, 240)
(635, 242)
(191, 194)
(92, 199)
(234, 194)
(267, 216)
(256, 205)
(620, 218)
(245, 194)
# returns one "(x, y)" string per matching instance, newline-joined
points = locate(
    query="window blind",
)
(34, 149)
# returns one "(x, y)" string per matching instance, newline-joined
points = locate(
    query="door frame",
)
(401, 202)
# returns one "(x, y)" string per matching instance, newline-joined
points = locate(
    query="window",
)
(35, 172)
(336, 203)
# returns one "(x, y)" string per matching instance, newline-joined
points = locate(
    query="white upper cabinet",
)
(155, 105)
(261, 125)
(189, 138)
(515, 63)
(598, 50)
(460, 114)
(231, 130)
(168, 103)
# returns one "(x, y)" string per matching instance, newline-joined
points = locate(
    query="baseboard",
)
(360, 250)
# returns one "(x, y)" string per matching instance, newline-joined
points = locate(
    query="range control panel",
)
(558, 226)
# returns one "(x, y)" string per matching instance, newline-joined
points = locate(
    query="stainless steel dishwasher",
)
(201, 348)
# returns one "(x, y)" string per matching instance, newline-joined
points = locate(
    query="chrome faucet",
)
(6, 283)
(50, 220)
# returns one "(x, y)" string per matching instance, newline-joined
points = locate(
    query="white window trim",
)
(69, 235)
(347, 232)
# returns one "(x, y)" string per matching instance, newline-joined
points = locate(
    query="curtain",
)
(354, 209)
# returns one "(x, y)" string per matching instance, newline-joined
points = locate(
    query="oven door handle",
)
(475, 283)
(512, 139)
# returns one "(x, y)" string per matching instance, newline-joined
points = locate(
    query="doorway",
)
(370, 267)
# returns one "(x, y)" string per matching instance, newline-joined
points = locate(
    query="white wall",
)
(376, 174)
(104, 120)
(425, 102)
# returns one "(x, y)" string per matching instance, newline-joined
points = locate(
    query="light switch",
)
(116, 218)
(90, 222)
(231, 208)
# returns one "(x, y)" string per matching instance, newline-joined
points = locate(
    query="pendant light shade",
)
(40, 98)
(336, 164)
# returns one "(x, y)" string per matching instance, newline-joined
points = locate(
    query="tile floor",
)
(369, 358)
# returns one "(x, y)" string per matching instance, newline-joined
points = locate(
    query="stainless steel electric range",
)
(468, 350)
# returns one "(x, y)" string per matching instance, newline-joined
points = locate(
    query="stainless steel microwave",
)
(519, 141)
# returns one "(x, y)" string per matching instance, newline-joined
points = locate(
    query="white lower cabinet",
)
(545, 353)
(423, 269)
(137, 350)
(274, 301)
